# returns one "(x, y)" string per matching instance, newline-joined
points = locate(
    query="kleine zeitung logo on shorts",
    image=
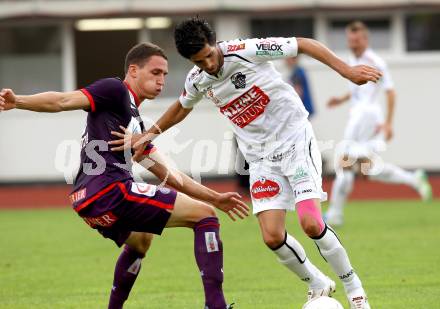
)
(265, 188)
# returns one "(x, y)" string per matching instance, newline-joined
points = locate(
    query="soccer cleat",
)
(327, 290)
(358, 299)
(334, 218)
(423, 185)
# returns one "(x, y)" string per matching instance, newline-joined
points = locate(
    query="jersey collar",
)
(136, 99)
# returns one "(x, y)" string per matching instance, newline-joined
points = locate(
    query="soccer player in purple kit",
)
(105, 194)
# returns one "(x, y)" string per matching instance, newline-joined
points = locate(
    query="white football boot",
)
(327, 290)
(358, 299)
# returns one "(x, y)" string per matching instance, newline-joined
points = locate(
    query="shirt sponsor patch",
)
(211, 242)
(269, 48)
(143, 188)
(244, 109)
(235, 47)
(265, 188)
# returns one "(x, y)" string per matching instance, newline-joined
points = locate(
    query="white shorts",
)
(361, 137)
(284, 179)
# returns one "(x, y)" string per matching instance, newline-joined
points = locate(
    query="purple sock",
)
(208, 251)
(126, 272)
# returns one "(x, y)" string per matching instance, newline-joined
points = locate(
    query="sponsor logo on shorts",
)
(143, 188)
(300, 192)
(265, 188)
(78, 195)
(211, 242)
(300, 174)
(244, 109)
(235, 47)
(105, 220)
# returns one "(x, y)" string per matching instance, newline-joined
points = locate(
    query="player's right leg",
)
(208, 248)
(128, 266)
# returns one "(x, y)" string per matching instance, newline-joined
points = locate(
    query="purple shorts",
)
(128, 206)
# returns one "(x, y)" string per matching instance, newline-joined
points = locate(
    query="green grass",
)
(51, 259)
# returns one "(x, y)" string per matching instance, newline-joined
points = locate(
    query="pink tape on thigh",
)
(308, 207)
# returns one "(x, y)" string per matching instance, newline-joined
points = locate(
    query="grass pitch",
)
(52, 259)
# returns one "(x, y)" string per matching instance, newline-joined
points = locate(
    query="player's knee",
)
(206, 211)
(310, 225)
(142, 244)
(273, 239)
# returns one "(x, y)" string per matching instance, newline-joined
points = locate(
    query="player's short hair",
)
(357, 26)
(140, 53)
(191, 35)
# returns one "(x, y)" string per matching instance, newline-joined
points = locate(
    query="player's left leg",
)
(307, 184)
(128, 266)
(331, 249)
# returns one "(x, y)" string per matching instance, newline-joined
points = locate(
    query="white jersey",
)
(369, 93)
(265, 111)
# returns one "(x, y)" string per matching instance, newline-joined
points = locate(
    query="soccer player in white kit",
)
(367, 130)
(274, 135)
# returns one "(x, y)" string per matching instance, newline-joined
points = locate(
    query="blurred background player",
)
(367, 130)
(298, 79)
(105, 194)
(275, 137)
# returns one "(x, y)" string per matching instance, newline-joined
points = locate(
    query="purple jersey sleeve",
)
(105, 94)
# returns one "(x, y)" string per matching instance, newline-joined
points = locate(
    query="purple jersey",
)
(113, 104)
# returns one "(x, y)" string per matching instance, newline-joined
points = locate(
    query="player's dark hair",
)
(191, 35)
(356, 26)
(140, 53)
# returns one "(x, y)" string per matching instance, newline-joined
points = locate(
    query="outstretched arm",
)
(359, 74)
(47, 102)
(228, 202)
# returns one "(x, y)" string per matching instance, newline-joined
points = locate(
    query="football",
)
(323, 302)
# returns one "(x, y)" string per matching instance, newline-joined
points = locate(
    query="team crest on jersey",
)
(265, 188)
(239, 80)
(244, 109)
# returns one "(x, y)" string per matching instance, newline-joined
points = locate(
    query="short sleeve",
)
(105, 94)
(387, 80)
(260, 50)
(191, 95)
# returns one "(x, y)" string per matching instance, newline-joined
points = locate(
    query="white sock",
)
(331, 249)
(292, 255)
(342, 187)
(394, 174)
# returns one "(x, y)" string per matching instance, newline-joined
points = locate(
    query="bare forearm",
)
(321, 53)
(187, 185)
(345, 97)
(391, 101)
(181, 182)
(48, 102)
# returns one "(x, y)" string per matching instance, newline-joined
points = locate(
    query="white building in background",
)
(64, 45)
